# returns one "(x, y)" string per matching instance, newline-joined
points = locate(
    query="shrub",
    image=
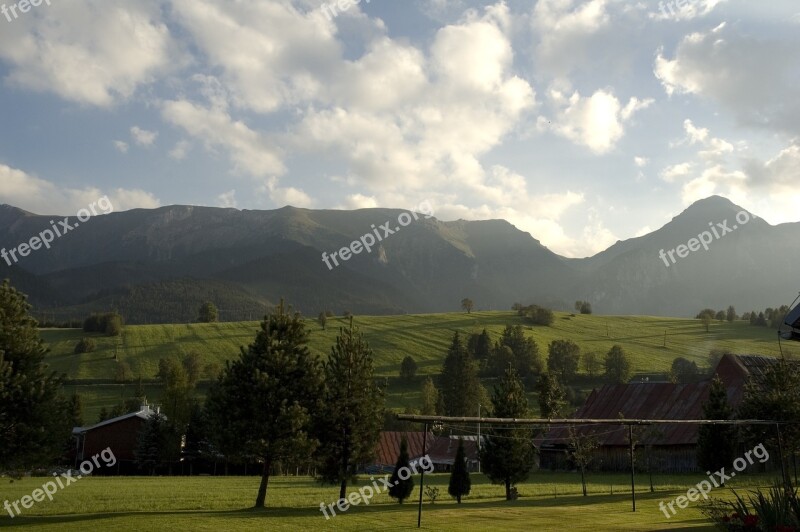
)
(86, 345)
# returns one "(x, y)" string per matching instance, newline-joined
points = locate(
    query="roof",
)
(639, 401)
(443, 450)
(662, 401)
(388, 448)
(145, 413)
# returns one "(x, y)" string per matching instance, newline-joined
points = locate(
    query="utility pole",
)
(479, 437)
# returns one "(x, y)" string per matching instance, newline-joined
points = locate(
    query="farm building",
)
(120, 434)
(387, 449)
(443, 452)
(666, 448)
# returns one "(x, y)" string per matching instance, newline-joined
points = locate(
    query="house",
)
(120, 434)
(443, 452)
(387, 450)
(667, 448)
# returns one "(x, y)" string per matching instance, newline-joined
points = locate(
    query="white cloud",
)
(684, 10)
(753, 78)
(672, 173)
(249, 151)
(641, 162)
(597, 121)
(180, 150)
(142, 137)
(125, 46)
(227, 199)
(40, 196)
(282, 196)
(121, 146)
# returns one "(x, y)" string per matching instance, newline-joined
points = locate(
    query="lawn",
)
(549, 501)
(425, 337)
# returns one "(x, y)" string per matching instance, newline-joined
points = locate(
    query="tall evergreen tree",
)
(261, 405)
(551, 396)
(563, 359)
(430, 398)
(459, 381)
(401, 488)
(480, 347)
(349, 422)
(527, 361)
(32, 429)
(508, 453)
(460, 483)
(716, 444)
(152, 446)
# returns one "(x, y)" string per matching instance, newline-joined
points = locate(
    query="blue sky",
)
(581, 122)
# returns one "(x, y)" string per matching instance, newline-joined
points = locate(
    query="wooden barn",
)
(664, 448)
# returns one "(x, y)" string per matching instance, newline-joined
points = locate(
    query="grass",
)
(426, 337)
(549, 501)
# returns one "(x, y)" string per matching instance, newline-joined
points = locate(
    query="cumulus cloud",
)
(40, 196)
(143, 137)
(121, 146)
(597, 121)
(54, 50)
(227, 199)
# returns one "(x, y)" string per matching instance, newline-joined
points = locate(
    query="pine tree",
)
(551, 396)
(430, 398)
(401, 488)
(32, 428)
(508, 453)
(151, 446)
(716, 444)
(460, 483)
(261, 405)
(459, 381)
(350, 420)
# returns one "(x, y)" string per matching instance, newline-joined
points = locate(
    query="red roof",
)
(388, 448)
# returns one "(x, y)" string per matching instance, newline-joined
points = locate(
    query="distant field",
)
(548, 502)
(426, 337)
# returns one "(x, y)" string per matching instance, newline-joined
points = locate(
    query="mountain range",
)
(159, 265)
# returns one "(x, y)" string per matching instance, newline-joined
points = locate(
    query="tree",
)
(551, 396)
(720, 316)
(508, 453)
(31, 411)
(261, 405)
(467, 304)
(401, 488)
(584, 307)
(208, 313)
(731, 314)
(459, 381)
(480, 347)
(563, 358)
(408, 368)
(152, 446)
(705, 319)
(776, 397)
(592, 363)
(527, 361)
(617, 366)
(322, 319)
(350, 419)
(430, 398)
(581, 452)
(716, 444)
(683, 371)
(538, 315)
(460, 483)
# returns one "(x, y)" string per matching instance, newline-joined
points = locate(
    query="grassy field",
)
(548, 501)
(425, 337)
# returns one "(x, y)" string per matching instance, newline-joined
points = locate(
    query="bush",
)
(86, 345)
(109, 324)
(539, 315)
(777, 509)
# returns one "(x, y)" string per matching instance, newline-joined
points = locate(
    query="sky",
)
(580, 122)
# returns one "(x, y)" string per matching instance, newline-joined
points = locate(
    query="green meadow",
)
(548, 501)
(650, 342)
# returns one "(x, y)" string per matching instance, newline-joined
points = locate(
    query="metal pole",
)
(633, 482)
(422, 475)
